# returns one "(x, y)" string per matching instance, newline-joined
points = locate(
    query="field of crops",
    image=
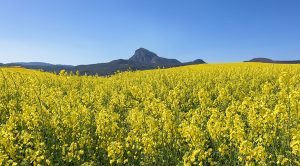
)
(218, 114)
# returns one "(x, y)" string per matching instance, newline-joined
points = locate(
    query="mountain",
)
(29, 64)
(197, 61)
(146, 57)
(142, 59)
(40, 66)
(267, 60)
(36, 64)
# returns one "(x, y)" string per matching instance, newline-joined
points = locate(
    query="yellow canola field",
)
(215, 114)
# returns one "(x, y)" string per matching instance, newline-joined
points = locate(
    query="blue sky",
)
(93, 31)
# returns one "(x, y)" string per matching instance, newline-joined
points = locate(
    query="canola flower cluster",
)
(216, 114)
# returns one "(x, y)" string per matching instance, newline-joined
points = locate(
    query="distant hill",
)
(29, 64)
(142, 59)
(41, 66)
(267, 60)
(197, 61)
(37, 64)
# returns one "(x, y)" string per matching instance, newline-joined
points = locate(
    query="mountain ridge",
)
(268, 60)
(142, 59)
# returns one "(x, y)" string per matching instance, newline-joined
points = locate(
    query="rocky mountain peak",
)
(143, 55)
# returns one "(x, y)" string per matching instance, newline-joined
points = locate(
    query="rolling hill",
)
(267, 60)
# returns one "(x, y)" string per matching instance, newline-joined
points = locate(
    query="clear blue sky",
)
(93, 31)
